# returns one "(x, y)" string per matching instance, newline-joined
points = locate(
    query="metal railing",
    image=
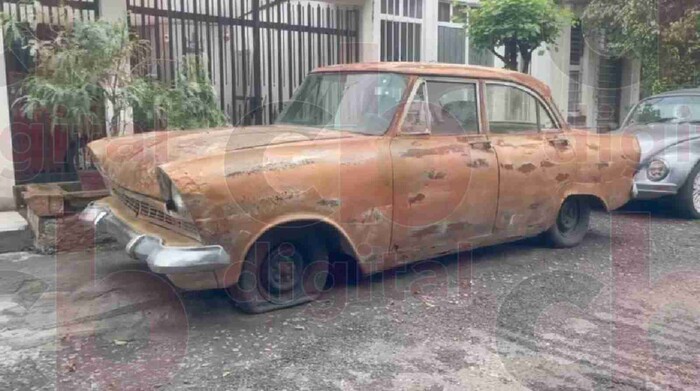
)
(257, 51)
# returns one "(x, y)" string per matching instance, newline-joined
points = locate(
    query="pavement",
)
(620, 312)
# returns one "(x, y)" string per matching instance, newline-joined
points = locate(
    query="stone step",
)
(15, 234)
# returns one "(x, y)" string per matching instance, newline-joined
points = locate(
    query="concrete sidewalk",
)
(15, 234)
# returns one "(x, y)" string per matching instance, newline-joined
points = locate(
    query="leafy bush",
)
(190, 104)
(88, 64)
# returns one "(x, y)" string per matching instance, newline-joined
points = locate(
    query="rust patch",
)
(593, 147)
(547, 164)
(329, 203)
(527, 168)
(276, 166)
(562, 177)
(507, 166)
(436, 175)
(478, 163)
(419, 153)
(603, 165)
(417, 198)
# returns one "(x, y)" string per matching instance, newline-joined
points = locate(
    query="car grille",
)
(155, 215)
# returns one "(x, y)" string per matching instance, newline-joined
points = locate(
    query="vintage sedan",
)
(384, 164)
(668, 129)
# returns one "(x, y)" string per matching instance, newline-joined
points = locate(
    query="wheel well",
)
(332, 237)
(340, 250)
(593, 201)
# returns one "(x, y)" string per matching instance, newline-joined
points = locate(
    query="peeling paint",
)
(417, 198)
(419, 153)
(478, 163)
(436, 175)
(329, 203)
(527, 168)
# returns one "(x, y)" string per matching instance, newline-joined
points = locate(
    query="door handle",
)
(481, 144)
(559, 142)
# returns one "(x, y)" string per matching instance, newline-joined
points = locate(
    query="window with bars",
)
(401, 30)
(454, 46)
(406, 8)
(576, 116)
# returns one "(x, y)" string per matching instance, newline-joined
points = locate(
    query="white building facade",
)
(591, 90)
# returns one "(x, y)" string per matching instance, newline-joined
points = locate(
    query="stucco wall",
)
(7, 172)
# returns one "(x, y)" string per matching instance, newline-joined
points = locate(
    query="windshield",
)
(670, 109)
(354, 102)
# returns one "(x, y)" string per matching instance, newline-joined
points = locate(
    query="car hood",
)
(131, 162)
(655, 138)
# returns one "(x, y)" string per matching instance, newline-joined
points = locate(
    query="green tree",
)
(663, 35)
(518, 26)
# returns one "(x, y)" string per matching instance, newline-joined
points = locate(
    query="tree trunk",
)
(527, 60)
(511, 55)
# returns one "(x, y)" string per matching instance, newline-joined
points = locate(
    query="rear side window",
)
(511, 110)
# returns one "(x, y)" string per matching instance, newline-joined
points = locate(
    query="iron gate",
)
(257, 51)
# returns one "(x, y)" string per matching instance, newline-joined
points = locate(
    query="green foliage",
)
(519, 26)
(668, 52)
(85, 64)
(190, 104)
(680, 54)
(89, 64)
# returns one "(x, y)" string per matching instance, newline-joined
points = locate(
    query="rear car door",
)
(445, 172)
(530, 184)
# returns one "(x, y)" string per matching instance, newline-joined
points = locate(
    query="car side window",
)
(511, 110)
(417, 120)
(453, 108)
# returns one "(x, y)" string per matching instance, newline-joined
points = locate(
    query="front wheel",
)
(572, 224)
(687, 201)
(283, 269)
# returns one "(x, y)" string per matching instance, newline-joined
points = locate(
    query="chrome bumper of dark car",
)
(150, 249)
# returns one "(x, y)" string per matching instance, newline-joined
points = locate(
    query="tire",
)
(572, 224)
(687, 201)
(285, 268)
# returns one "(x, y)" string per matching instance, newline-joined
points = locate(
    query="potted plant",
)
(81, 81)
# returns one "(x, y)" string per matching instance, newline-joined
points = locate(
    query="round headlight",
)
(657, 170)
(177, 200)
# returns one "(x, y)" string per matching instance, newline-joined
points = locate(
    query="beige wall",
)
(7, 171)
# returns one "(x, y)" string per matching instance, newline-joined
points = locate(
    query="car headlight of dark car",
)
(657, 170)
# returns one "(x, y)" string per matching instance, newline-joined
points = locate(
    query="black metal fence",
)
(257, 51)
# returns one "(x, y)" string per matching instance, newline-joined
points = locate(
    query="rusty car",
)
(668, 129)
(381, 163)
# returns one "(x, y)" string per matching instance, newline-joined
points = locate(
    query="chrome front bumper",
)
(150, 249)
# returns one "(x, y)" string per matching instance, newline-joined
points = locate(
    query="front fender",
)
(681, 157)
(235, 197)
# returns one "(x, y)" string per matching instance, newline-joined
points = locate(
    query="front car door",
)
(532, 152)
(445, 172)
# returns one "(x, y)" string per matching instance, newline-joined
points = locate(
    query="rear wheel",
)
(572, 224)
(687, 201)
(284, 269)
